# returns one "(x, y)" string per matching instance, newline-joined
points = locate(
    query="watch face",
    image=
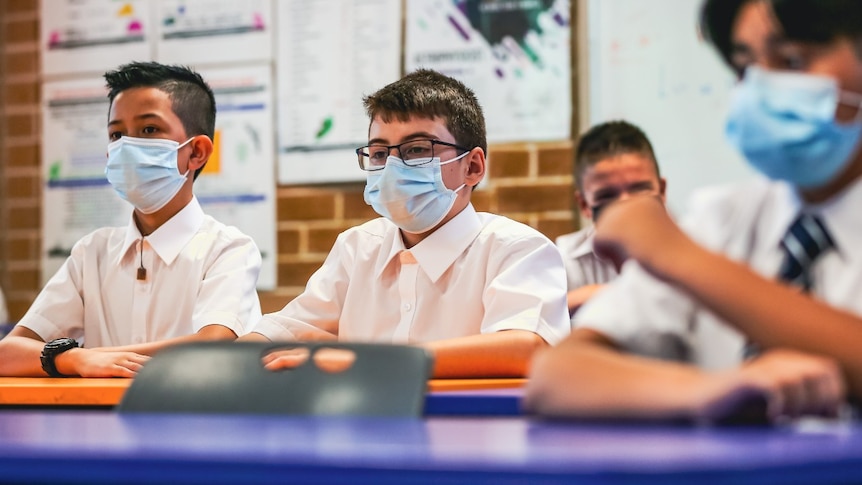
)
(61, 344)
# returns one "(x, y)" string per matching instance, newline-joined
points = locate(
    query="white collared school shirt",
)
(478, 273)
(198, 272)
(746, 223)
(583, 267)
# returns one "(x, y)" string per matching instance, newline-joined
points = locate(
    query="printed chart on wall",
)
(77, 198)
(236, 186)
(80, 36)
(515, 54)
(330, 54)
(214, 31)
(648, 66)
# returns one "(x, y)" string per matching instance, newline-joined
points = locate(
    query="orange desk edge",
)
(45, 391)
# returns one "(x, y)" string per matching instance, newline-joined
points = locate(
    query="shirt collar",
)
(840, 214)
(171, 237)
(441, 248)
(436, 253)
(585, 245)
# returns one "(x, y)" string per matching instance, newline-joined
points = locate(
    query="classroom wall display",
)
(214, 31)
(76, 196)
(330, 53)
(515, 55)
(221, 40)
(236, 186)
(80, 36)
(647, 64)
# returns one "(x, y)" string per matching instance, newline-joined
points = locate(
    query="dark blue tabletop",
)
(103, 447)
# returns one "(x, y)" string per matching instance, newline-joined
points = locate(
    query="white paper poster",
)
(330, 54)
(77, 198)
(515, 55)
(236, 186)
(93, 36)
(214, 31)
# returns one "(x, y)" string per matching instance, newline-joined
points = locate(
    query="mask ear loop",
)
(186, 175)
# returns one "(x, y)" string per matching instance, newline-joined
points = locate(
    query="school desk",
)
(101, 448)
(446, 396)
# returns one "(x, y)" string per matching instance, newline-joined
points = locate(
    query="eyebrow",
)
(413, 136)
(140, 117)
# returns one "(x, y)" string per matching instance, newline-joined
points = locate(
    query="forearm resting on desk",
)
(209, 332)
(501, 354)
(769, 313)
(586, 377)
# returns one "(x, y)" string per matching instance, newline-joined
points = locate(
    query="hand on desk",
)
(785, 383)
(99, 363)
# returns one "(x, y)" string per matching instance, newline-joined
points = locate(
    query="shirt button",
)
(408, 307)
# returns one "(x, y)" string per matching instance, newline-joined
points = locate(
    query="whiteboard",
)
(647, 65)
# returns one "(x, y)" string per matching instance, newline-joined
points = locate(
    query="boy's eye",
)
(149, 130)
(114, 135)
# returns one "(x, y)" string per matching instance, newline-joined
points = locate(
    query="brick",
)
(22, 31)
(556, 161)
(321, 240)
(553, 228)
(21, 187)
(482, 200)
(22, 63)
(356, 208)
(508, 163)
(22, 93)
(271, 301)
(24, 279)
(306, 207)
(25, 218)
(22, 249)
(296, 274)
(22, 156)
(19, 6)
(535, 198)
(20, 125)
(18, 306)
(288, 241)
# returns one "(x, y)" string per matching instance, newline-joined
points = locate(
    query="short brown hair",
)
(607, 140)
(429, 94)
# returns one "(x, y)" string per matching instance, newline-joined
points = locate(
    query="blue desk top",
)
(103, 447)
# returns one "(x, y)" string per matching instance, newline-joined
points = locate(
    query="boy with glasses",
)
(480, 291)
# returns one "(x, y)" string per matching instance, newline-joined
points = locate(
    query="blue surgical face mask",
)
(144, 171)
(414, 198)
(784, 124)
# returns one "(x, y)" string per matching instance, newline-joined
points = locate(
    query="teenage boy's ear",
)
(583, 206)
(202, 148)
(475, 167)
(662, 189)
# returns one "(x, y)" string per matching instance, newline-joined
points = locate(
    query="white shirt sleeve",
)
(527, 290)
(58, 310)
(647, 316)
(314, 314)
(228, 293)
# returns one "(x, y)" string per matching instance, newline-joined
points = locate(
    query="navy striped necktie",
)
(805, 241)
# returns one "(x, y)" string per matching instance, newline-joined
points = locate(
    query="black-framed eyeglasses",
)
(413, 152)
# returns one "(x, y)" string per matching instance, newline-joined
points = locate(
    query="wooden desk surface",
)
(45, 391)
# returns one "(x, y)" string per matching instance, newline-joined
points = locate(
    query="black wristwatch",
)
(51, 350)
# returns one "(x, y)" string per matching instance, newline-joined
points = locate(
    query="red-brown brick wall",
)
(529, 182)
